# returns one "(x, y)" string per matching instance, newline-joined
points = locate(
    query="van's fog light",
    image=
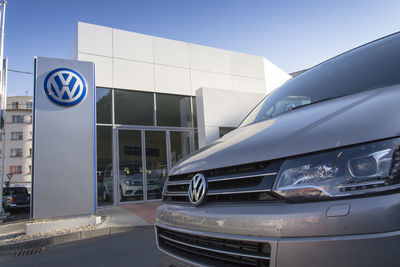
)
(362, 169)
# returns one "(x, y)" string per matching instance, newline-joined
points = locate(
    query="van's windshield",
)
(371, 66)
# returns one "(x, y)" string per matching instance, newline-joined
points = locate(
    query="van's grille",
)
(214, 251)
(250, 182)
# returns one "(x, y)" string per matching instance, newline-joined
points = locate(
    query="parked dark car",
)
(15, 198)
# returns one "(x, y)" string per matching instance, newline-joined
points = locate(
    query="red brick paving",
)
(145, 211)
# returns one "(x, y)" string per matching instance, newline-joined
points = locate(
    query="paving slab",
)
(120, 217)
(145, 211)
(12, 228)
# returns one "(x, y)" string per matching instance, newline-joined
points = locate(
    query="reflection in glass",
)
(133, 107)
(194, 112)
(104, 166)
(173, 110)
(196, 139)
(156, 163)
(103, 105)
(180, 146)
(130, 166)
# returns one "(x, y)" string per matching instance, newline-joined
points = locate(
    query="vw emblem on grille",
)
(197, 189)
(65, 87)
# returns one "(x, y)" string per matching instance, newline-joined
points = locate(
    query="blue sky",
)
(292, 34)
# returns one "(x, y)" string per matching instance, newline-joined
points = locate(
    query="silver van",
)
(310, 178)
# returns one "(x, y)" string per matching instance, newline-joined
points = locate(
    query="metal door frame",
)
(143, 129)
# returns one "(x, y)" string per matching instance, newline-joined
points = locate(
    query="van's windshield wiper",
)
(319, 101)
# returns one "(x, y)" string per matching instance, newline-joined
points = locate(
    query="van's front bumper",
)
(307, 234)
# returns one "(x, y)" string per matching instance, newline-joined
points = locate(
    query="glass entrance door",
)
(144, 158)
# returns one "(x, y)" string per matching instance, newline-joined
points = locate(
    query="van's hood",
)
(347, 120)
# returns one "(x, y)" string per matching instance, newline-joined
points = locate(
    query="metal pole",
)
(3, 97)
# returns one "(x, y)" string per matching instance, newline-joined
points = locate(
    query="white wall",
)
(236, 105)
(129, 60)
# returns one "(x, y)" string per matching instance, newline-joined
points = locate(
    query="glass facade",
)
(148, 134)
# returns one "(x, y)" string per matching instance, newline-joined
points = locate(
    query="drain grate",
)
(30, 251)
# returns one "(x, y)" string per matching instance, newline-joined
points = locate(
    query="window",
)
(30, 152)
(30, 169)
(30, 135)
(16, 136)
(134, 108)
(17, 119)
(1, 153)
(1, 137)
(173, 110)
(29, 105)
(15, 169)
(103, 105)
(16, 152)
(14, 105)
(30, 119)
(180, 145)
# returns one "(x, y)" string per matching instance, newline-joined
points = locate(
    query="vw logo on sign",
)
(65, 87)
(197, 189)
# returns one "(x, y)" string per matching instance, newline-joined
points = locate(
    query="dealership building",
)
(158, 100)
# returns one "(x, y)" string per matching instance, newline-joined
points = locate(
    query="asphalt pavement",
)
(132, 248)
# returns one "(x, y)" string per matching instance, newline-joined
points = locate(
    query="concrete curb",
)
(7, 249)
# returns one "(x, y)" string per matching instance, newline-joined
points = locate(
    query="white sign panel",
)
(64, 156)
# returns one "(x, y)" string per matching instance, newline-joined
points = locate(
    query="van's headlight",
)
(362, 169)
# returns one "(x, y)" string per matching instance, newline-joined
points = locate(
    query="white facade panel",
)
(248, 84)
(104, 69)
(170, 52)
(274, 76)
(133, 46)
(94, 39)
(247, 65)
(207, 135)
(172, 80)
(209, 79)
(133, 75)
(236, 105)
(209, 59)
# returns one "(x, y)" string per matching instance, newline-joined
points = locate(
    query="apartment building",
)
(17, 142)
